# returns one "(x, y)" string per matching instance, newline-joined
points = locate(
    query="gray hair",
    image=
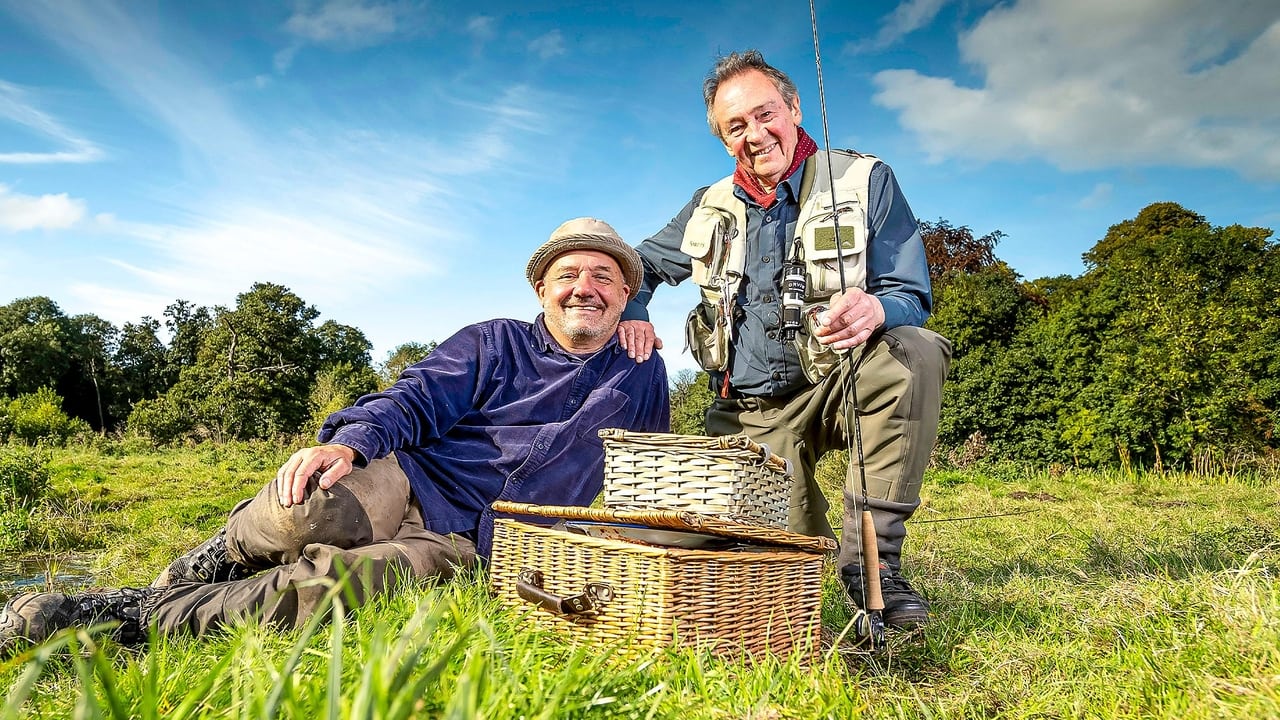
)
(736, 63)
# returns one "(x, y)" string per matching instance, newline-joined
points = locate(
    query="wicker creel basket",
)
(728, 475)
(746, 601)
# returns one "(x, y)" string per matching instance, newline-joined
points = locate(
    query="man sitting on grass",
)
(401, 486)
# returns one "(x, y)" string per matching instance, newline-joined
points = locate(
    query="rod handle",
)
(871, 563)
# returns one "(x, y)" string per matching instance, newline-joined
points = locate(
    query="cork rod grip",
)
(871, 560)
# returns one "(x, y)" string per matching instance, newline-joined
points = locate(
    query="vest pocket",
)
(705, 337)
(817, 360)
(705, 240)
(827, 258)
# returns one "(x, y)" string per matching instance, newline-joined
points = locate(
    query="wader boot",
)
(904, 608)
(32, 618)
(207, 563)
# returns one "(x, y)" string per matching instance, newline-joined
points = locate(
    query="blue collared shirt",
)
(500, 411)
(760, 363)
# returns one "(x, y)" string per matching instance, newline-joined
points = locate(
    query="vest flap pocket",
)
(819, 232)
(705, 229)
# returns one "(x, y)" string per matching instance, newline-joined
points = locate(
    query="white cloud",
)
(1098, 197)
(906, 18)
(15, 107)
(345, 24)
(343, 21)
(1096, 83)
(46, 212)
(481, 27)
(548, 46)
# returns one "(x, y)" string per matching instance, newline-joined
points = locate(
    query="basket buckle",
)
(529, 586)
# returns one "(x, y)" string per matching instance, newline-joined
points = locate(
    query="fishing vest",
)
(715, 239)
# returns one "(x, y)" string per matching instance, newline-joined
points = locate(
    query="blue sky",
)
(395, 162)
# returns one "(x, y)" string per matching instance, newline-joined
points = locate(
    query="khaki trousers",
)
(899, 388)
(367, 526)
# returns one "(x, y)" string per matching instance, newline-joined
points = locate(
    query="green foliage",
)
(252, 371)
(401, 357)
(690, 398)
(24, 476)
(24, 484)
(33, 345)
(1163, 353)
(38, 417)
(164, 419)
(337, 387)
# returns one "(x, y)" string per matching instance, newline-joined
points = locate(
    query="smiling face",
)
(583, 294)
(757, 126)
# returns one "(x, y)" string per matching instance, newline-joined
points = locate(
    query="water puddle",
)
(61, 573)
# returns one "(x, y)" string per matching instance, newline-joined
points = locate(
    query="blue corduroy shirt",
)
(500, 411)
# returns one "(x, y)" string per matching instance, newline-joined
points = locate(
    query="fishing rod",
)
(871, 623)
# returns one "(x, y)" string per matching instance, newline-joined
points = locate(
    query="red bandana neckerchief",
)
(805, 147)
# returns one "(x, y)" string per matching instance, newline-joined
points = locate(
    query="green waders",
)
(899, 386)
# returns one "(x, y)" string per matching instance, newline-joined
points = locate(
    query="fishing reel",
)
(869, 628)
(794, 289)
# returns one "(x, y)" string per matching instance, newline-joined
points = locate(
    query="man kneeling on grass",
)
(401, 486)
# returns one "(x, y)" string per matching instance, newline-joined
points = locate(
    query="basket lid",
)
(675, 520)
(740, 441)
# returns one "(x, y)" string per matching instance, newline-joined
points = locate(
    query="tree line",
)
(260, 369)
(1165, 351)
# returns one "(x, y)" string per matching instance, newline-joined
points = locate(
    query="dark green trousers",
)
(899, 377)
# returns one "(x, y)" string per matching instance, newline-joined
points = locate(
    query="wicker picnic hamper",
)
(728, 475)
(762, 595)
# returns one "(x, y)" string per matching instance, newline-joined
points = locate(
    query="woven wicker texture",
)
(675, 520)
(732, 602)
(729, 475)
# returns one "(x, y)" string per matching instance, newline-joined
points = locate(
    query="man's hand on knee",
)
(333, 462)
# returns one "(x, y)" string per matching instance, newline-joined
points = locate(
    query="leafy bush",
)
(337, 387)
(160, 419)
(24, 476)
(38, 416)
(24, 482)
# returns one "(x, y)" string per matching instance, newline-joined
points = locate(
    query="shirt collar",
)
(547, 343)
(791, 191)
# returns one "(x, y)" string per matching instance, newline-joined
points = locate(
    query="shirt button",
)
(777, 374)
(766, 259)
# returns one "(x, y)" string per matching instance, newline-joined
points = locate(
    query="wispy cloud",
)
(1100, 84)
(1098, 197)
(31, 212)
(342, 21)
(124, 52)
(345, 24)
(548, 45)
(16, 106)
(905, 19)
(481, 27)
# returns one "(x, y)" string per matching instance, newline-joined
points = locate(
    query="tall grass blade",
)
(336, 634)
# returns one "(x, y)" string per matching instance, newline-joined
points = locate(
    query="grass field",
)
(1067, 595)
